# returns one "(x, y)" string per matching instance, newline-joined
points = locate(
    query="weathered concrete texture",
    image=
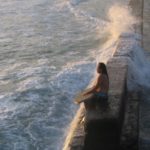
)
(146, 25)
(130, 130)
(76, 134)
(137, 11)
(141, 10)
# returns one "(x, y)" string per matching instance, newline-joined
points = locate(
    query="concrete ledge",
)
(75, 136)
(130, 130)
(137, 11)
(108, 121)
(103, 127)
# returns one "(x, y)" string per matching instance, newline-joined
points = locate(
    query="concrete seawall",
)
(117, 126)
(146, 26)
(107, 129)
(104, 127)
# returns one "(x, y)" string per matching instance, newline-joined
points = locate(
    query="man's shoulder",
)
(101, 76)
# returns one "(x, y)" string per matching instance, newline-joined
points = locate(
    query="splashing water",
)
(121, 20)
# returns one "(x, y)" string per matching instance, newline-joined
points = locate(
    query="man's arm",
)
(93, 89)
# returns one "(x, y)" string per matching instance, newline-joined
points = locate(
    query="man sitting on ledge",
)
(99, 90)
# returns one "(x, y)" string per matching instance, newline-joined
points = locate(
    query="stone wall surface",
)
(141, 10)
(137, 11)
(130, 129)
(146, 25)
(76, 134)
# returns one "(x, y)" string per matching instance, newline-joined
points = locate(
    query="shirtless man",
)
(102, 84)
(100, 89)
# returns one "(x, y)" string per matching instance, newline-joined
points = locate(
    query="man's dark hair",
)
(103, 67)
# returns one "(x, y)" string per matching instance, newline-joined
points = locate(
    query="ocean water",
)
(48, 53)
